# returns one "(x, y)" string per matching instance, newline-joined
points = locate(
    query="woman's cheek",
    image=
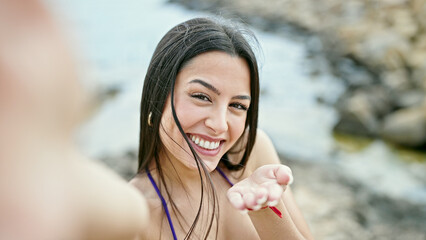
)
(237, 125)
(189, 114)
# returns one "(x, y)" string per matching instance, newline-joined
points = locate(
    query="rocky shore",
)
(378, 48)
(335, 207)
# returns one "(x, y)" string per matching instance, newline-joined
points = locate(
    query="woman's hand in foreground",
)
(263, 188)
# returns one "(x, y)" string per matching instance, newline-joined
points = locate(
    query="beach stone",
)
(344, 209)
(410, 98)
(346, 69)
(406, 126)
(419, 9)
(419, 78)
(396, 81)
(393, 2)
(351, 35)
(379, 99)
(357, 115)
(417, 58)
(383, 49)
(402, 22)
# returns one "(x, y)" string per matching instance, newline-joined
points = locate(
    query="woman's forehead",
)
(217, 68)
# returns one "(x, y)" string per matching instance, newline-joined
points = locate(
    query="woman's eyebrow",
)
(207, 85)
(242, 97)
(212, 88)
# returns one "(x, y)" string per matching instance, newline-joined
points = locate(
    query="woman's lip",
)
(210, 139)
(206, 152)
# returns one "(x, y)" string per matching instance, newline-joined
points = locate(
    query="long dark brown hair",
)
(181, 44)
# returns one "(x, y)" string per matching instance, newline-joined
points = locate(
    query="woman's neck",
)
(178, 176)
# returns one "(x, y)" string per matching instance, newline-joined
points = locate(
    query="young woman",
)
(205, 169)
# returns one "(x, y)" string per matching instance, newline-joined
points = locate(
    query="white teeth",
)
(204, 143)
(207, 144)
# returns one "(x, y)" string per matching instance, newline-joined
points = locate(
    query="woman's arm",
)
(268, 225)
(110, 208)
(265, 153)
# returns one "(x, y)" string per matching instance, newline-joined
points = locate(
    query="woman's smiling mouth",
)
(210, 145)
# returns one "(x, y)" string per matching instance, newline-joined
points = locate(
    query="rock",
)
(356, 115)
(383, 49)
(402, 22)
(344, 209)
(379, 99)
(409, 98)
(419, 9)
(393, 2)
(419, 78)
(353, 74)
(406, 127)
(417, 57)
(351, 35)
(396, 81)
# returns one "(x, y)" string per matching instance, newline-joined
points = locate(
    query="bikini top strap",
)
(224, 176)
(163, 202)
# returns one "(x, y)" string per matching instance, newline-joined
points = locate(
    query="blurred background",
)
(343, 97)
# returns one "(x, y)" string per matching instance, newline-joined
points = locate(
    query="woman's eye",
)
(239, 106)
(201, 96)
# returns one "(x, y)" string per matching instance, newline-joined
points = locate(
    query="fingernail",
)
(261, 200)
(291, 180)
(257, 207)
(244, 211)
(272, 203)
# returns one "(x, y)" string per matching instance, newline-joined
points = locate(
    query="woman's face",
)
(212, 95)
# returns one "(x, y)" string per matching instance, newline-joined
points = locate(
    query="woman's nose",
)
(217, 121)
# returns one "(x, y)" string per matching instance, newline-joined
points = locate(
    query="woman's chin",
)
(210, 165)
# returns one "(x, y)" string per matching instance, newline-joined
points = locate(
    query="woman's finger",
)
(283, 175)
(261, 195)
(236, 200)
(274, 191)
(250, 200)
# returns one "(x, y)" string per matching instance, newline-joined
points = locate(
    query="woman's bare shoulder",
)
(263, 152)
(142, 183)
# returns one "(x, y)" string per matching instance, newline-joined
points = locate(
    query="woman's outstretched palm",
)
(263, 187)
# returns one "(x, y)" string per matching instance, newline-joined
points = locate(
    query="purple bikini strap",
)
(163, 202)
(224, 176)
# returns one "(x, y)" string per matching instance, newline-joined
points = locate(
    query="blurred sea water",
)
(115, 40)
